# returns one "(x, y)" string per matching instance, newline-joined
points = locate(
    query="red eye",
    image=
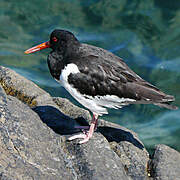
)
(54, 39)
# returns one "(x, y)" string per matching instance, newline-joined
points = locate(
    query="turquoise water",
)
(146, 34)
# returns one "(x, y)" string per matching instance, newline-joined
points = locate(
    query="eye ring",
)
(55, 39)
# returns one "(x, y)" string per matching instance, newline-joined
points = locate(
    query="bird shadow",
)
(118, 135)
(64, 125)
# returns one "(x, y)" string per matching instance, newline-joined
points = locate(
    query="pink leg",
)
(87, 134)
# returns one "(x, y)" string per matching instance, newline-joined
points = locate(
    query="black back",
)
(101, 72)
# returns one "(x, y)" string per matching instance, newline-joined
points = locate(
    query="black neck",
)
(59, 58)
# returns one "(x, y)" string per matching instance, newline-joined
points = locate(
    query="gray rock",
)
(124, 142)
(72, 111)
(128, 147)
(34, 128)
(29, 93)
(95, 160)
(23, 89)
(36, 98)
(29, 148)
(32, 150)
(166, 163)
(134, 159)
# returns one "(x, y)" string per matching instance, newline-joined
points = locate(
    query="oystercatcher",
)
(97, 78)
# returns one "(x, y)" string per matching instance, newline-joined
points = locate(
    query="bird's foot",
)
(86, 135)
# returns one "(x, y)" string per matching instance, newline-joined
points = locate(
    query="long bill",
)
(38, 47)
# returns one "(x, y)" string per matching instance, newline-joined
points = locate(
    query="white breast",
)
(70, 68)
(96, 104)
(88, 103)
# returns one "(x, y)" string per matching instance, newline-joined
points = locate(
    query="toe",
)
(84, 140)
(78, 136)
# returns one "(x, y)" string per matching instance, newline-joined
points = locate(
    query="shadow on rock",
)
(56, 120)
(64, 125)
(118, 135)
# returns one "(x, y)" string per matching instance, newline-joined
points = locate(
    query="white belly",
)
(88, 103)
(96, 104)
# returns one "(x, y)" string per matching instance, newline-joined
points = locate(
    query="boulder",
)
(165, 163)
(34, 128)
(30, 149)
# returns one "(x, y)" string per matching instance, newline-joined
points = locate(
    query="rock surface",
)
(166, 163)
(33, 144)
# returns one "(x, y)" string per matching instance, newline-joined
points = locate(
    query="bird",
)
(97, 78)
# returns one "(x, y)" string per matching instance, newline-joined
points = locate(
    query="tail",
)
(166, 103)
(149, 94)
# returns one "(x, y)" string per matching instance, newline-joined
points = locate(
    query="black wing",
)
(99, 77)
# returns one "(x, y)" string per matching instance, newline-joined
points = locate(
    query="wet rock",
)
(166, 163)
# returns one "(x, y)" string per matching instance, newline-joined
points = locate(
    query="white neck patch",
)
(70, 68)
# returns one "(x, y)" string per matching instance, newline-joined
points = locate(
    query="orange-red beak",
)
(38, 47)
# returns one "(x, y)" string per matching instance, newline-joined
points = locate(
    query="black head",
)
(62, 39)
(64, 45)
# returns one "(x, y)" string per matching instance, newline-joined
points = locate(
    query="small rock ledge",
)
(34, 127)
